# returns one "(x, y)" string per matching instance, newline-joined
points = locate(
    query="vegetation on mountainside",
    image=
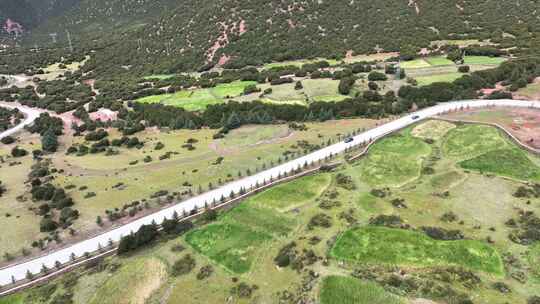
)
(253, 32)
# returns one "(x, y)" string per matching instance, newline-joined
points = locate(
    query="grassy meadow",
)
(243, 149)
(395, 160)
(376, 245)
(199, 99)
(427, 80)
(346, 290)
(325, 221)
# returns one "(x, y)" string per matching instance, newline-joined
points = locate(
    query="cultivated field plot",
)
(446, 235)
(298, 192)
(401, 247)
(435, 61)
(394, 160)
(439, 69)
(237, 239)
(432, 129)
(333, 62)
(473, 140)
(523, 123)
(484, 60)
(199, 99)
(460, 42)
(415, 64)
(484, 149)
(347, 290)
(439, 61)
(298, 63)
(427, 80)
(324, 90)
(370, 57)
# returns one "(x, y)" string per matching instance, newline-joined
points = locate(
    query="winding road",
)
(29, 113)
(92, 244)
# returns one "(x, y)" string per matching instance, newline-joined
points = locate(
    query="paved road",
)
(63, 255)
(30, 115)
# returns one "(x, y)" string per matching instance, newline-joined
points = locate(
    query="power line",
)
(69, 40)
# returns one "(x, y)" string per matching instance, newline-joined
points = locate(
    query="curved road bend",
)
(30, 115)
(18, 271)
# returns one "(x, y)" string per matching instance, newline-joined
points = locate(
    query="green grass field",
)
(13, 299)
(439, 61)
(534, 260)
(235, 241)
(394, 160)
(229, 90)
(446, 179)
(324, 90)
(427, 80)
(196, 100)
(232, 246)
(484, 149)
(472, 140)
(298, 63)
(511, 162)
(199, 99)
(484, 60)
(347, 290)
(294, 193)
(415, 64)
(376, 245)
(432, 129)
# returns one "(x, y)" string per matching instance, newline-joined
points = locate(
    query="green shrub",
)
(183, 266)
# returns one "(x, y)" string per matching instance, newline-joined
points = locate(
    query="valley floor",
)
(454, 219)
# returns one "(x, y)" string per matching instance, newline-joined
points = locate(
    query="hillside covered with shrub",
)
(172, 36)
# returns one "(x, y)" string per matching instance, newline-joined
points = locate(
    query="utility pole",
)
(69, 40)
(168, 46)
(53, 37)
(139, 42)
(398, 68)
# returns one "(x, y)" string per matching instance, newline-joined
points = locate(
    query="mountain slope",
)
(170, 36)
(255, 31)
